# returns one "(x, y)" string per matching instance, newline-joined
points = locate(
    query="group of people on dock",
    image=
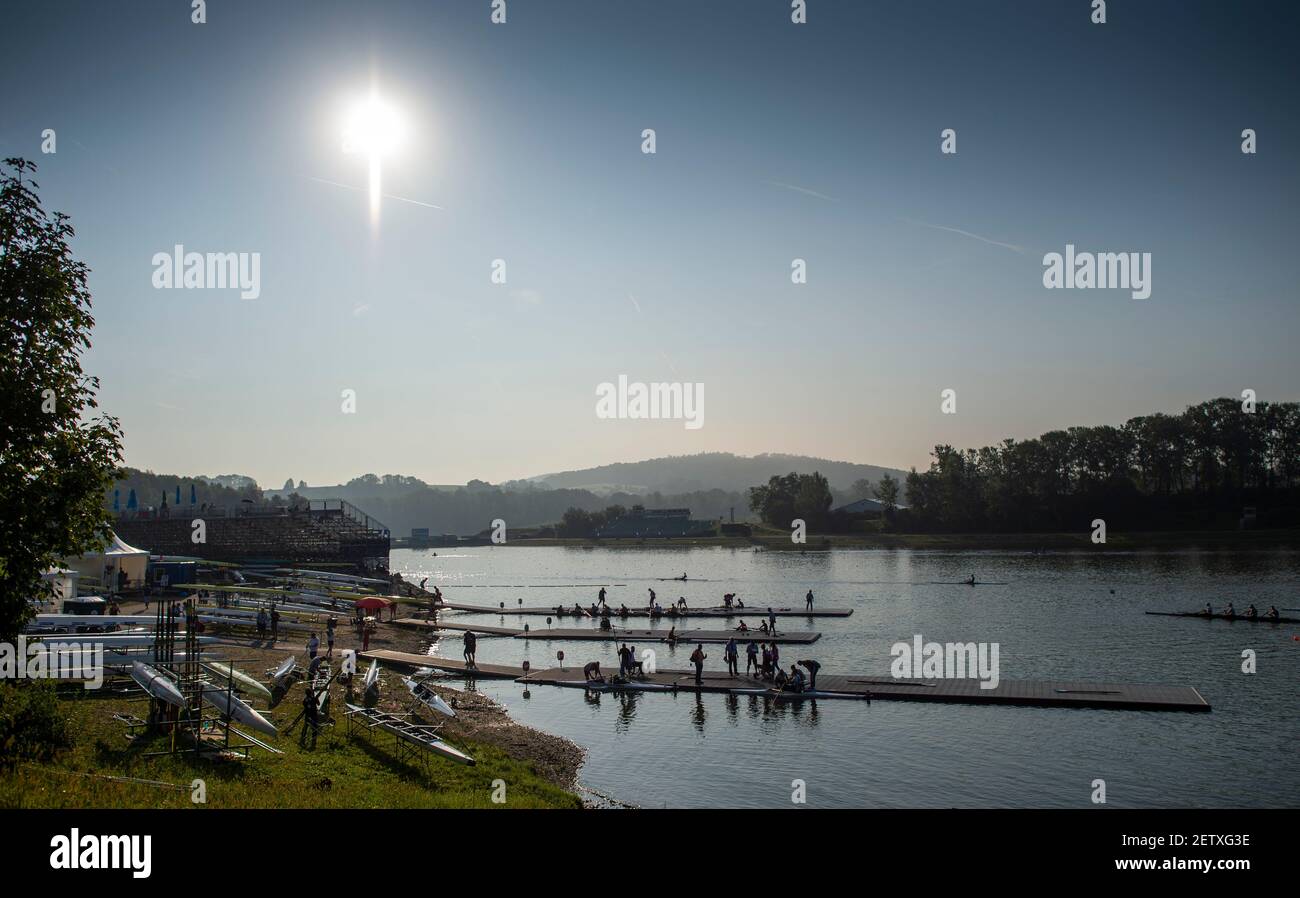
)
(1251, 613)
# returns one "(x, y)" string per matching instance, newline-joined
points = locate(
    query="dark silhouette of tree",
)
(57, 457)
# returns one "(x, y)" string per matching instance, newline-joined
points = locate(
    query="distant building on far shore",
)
(657, 523)
(863, 508)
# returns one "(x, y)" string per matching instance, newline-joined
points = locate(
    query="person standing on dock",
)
(652, 599)
(329, 636)
(261, 623)
(732, 655)
(602, 596)
(776, 657)
(471, 645)
(766, 670)
(808, 600)
(751, 658)
(771, 621)
(813, 667)
(624, 660)
(275, 622)
(313, 646)
(697, 658)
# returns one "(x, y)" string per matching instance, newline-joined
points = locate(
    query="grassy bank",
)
(335, 773)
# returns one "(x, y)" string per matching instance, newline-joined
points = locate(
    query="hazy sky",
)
(774, 142)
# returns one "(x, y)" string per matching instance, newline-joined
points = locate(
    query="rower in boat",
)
(742, 627)
(623, 611)
(1209, 610)
(1272, 612)
(604, 622)
(780, 679)
(1229, 611)
(577, 610)
(1251, 612)
(795, 682)
(971, 580)
(762, 627)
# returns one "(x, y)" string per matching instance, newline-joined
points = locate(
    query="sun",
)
(373, 129)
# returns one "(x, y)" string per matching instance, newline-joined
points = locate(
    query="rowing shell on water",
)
(154, 682)
(630, 686)
(807, 693)
(428, 696)
(232, 707)
(1260, 619)
(242, 680)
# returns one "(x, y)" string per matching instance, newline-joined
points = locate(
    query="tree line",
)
(1195, 470)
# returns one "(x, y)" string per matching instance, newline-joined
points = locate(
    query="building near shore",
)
(657, 523)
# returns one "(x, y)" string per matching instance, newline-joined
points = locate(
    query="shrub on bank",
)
(32, 726)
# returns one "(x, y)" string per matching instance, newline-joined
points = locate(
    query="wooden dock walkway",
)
(1033, 693)
(597, 635)
(1036, 693)
(416, 623)
(450, 665)
(683, 636)
(714, 611)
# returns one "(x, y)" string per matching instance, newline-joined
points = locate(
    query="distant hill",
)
(709, 470)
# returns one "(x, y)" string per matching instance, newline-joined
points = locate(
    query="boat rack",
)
(411, 741)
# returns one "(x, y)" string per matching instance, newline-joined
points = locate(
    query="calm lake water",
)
(1060, 616)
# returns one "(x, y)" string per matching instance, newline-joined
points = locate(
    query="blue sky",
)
(665, 267)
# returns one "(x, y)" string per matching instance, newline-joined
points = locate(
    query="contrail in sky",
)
(387, 196)
(1010, 246)
(799, 189)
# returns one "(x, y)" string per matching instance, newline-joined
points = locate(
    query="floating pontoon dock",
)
(714, 611)
(1036, 693)
(614, 635)
(414, 661)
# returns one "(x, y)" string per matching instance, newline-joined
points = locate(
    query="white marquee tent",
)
(116, 556)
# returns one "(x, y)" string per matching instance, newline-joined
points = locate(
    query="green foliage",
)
(1194, 470)
(32, 723)
(56, 460)
(578, 524)
(783, 499)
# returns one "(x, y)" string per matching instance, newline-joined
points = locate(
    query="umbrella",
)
(131, 503)
(372, 603)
